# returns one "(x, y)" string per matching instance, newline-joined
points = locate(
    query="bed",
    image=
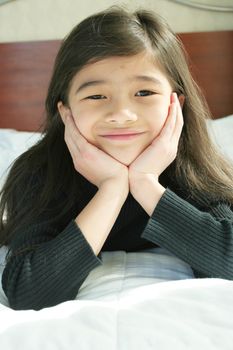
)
(117, 308)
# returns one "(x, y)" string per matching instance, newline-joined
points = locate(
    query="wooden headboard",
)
(25, 70)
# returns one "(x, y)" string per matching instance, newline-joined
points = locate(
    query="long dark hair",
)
(46, 170)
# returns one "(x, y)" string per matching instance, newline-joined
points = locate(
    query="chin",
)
(124, 160)
(124, 156)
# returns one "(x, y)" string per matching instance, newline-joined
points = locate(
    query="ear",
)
(64, 111)
(181, 99)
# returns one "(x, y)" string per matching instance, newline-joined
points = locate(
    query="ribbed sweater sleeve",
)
(202, 239)
(51, 273)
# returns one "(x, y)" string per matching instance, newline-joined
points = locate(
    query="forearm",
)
(98, 217)
(201, 239)
(47, 272)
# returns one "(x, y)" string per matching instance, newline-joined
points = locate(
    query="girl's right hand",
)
(91, 162)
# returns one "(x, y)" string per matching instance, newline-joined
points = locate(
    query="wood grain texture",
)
(211, 63)
(25, 71)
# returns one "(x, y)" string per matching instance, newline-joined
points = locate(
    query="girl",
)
(125, 164)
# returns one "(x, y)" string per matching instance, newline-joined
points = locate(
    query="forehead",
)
(121, 69)
(136, 61)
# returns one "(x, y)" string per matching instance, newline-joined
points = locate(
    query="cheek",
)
(157, 118)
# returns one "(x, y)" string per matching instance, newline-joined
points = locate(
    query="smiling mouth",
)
(123, 137)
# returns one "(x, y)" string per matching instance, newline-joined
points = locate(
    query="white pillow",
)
(121, 272)
(12, 144)
(3, 252)
(221, 131)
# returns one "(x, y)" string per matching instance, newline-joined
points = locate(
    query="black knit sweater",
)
(52, 261)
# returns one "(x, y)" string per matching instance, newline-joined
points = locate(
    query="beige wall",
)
(22, 20)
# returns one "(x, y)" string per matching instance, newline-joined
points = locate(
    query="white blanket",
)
(189, 314)
(119, 308)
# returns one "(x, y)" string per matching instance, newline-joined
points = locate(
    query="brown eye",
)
(96, 97)
(144, 93)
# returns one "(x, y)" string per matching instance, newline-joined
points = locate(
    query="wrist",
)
(116, 186)
(147, 191)
(139, 180)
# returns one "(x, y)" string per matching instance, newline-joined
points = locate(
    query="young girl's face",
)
(118, 96)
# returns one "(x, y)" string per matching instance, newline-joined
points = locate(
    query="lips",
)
(122, 136)
(121, 133)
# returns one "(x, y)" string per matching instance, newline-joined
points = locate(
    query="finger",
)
(73, 129)
(179, 121)
(71, 144)
(168, 128)
(69, 136)
(73, 135)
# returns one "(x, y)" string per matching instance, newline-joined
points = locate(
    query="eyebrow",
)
(146, 78)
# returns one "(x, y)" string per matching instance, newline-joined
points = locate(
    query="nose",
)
(121, 116)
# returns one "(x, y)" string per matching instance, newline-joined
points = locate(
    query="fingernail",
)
(173, 97)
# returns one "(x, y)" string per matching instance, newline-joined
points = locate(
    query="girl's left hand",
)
(161, 152)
